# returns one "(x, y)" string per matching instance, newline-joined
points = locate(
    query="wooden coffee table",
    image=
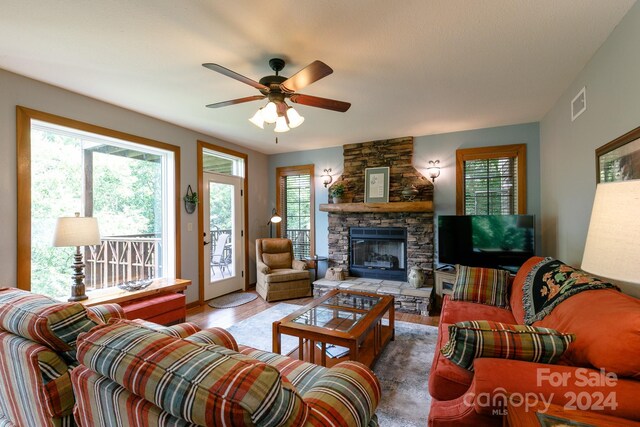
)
(345, 318)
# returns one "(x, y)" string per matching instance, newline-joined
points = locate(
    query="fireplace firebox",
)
(378, 252)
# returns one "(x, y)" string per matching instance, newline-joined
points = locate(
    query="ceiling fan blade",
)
(227, 72)
(303, 78)
(236, 101)
(314, 101)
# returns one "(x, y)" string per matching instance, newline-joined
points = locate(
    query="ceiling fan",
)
(278, 89)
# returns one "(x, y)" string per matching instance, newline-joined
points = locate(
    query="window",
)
(223, 163)
(295, 201)
(491, 180)
(126, 182)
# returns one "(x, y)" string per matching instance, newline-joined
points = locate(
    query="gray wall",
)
(321, 159)
(19, 90)
(612, 82)
(433, 147)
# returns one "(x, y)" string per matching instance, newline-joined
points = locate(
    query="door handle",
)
(206, 243)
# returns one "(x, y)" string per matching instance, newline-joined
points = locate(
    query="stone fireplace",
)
(412, 217)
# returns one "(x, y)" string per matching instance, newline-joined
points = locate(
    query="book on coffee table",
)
(334, 351)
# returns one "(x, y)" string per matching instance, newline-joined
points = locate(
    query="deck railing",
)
(120, 259)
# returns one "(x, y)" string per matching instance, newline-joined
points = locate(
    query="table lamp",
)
(77, 231)
(613, 241)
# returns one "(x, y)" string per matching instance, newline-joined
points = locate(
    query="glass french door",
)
(223, 234)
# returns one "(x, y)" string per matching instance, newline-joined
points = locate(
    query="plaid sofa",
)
(37, 349)
(130, 375)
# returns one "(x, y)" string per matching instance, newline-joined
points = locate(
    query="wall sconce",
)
(433, 170)
(326, 177)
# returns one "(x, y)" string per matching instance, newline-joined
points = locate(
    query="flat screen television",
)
(495, 241)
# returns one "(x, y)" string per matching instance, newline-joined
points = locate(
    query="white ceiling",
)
(410, 67)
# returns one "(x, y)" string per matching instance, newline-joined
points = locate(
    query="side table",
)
(312, 262)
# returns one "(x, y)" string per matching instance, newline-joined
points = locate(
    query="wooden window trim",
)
(518, 151)
(24, 116)
(202, 145)
(283, 171)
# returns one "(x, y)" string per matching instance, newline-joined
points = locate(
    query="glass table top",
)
(340, 312)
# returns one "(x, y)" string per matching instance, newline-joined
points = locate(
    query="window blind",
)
(490, 186)
(296, 218)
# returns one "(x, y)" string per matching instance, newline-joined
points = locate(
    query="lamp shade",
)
(613, 241)
(76, 231)
(270, 112)
(294, 118)
(275, 218)
(281, 125)
(257, 119)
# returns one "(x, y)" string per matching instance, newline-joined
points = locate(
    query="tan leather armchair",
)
(279, 275)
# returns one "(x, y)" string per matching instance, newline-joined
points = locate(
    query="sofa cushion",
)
(275, 261)
(191, 381)
(43, 319)
(35, 384)
(103, 312)
(459, 311)
(607, 328)
(286, 275)
(102, 402)
(302, 374)
(549, 283)
(481, 285)
(214, 336)
(181, 330)
(485, 338)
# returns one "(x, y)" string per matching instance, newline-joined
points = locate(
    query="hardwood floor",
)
(207, 317)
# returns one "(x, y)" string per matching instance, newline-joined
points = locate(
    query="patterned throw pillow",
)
(484, 338)
(482, 286)
(43, 319)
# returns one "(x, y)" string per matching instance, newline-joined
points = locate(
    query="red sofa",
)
(607, 328)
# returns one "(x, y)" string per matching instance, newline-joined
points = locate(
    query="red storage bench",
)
(162, 302)
(164, 309)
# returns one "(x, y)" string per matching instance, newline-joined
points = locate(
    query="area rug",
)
(403, 368)
(232, 300)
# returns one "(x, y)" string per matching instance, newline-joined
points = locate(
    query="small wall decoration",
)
(190, 201)
(619, 160)
(376, 185)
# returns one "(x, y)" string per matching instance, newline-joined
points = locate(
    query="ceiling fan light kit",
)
(277, 89)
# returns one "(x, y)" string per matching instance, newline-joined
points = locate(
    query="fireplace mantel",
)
(340, 208)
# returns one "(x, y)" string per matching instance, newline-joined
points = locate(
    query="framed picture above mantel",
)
(619, 160)
(376, 185)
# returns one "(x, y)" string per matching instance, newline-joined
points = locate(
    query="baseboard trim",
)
(193, 305)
